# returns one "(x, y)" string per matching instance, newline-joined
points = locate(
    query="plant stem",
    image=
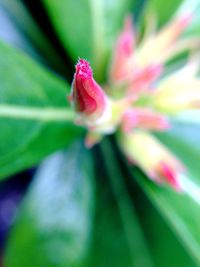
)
(36, 113)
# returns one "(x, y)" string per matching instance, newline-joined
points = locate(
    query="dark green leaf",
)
(54, 224)
(23, 23)
(140, 255)
(180, 210)
(13, 35)
(110, 246)
(164, 246)
(35, 118)
(88, 28)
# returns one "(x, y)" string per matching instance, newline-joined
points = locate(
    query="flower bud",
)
(143, 118)
(143, 79)
(148, 74)
(154, 49)
(177, 93)
(122, 52)
(152, 157)
(87, 97)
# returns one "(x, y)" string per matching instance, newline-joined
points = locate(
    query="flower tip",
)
(83, 69)
(128, 23)
(126, 39)
(184, 21)
(124, 49)
(170, 176)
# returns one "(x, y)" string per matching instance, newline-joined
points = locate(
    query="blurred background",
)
(15, 20)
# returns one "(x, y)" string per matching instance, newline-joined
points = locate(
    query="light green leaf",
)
(88, 28)
(35, 118)
(180, 210)
(55, 221)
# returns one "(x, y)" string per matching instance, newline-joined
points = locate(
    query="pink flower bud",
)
(152, 157)
(143, 79)
(181, 23)
(122, 52)
(149, 74)
(143, 118)
(87, 96)
(155, 48)
(169, 175)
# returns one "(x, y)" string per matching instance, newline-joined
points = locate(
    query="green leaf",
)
(88, 28)
(140, 255)
(10, 33)
(25, 26)
(163, 10)
(164, 246)
(35, 118)
(55, 221)
(109, 246)
(180, 210)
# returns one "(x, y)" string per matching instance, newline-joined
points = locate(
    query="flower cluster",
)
(140, 96)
